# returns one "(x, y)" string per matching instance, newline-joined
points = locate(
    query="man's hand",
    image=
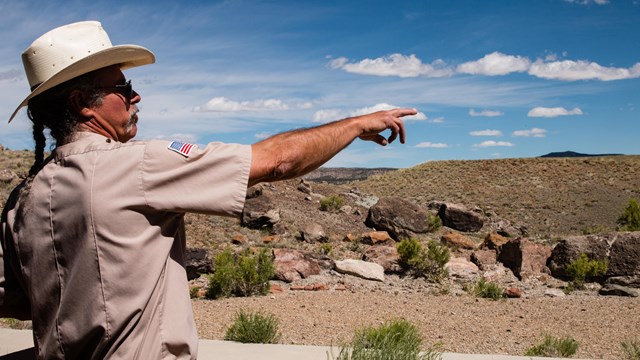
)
(375, 123)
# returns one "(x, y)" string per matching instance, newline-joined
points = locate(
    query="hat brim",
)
(127, 56)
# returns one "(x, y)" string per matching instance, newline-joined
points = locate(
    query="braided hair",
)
(53, 110)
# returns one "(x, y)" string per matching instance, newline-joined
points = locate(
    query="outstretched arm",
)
(297, 152)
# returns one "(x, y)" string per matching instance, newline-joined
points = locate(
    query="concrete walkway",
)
(18, 345)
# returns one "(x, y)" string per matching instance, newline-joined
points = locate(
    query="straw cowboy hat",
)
(73, 50)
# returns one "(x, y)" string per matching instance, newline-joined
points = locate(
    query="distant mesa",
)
(564, 154)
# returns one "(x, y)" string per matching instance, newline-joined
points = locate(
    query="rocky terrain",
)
(515, 222)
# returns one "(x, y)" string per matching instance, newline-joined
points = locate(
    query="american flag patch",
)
(183, 149)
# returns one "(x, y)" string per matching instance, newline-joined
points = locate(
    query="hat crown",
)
(62, 47)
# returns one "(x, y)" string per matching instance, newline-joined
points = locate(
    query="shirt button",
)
(108, 140)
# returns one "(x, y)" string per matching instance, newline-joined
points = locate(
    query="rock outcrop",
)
(399, 217)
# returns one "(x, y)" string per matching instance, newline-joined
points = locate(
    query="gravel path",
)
(462, 324)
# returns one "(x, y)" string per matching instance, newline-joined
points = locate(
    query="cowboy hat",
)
(73, 50)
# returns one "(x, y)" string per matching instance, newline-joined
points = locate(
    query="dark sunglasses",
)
(126, 90)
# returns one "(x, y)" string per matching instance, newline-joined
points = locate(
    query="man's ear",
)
(79, 104)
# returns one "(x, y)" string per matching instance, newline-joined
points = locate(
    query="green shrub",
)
(630, 218)
(553, 347)
(487, 290)
(242, 274)
(326, 249)
(631, 349)
(427, 262)
(583, 269)
(397, 340)
(596, 229)
(193, 292)
(331, 203)
(434, 222)
(254, 328)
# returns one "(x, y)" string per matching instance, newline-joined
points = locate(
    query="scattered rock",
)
(292, 265)
(399, 217)
(513, 292)
(525, 258)
(385, 256)
(7, 176)
(260, 212)
(457, 240)
(377, 238)
(629, 281)
(484, 259)
(270, 239)
(554, 293)
(312, 233)
(618, 290)
(197, 263)
(494, 241)
(462, 268)
(459, 218)
(349, 238)
(304, 187)
(239, 239)
(362, 269)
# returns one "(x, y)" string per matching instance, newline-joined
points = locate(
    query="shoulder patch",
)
(183, 149)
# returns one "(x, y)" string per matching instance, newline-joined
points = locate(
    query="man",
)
(93, 240)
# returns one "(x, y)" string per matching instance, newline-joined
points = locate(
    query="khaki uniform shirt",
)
(98, 255)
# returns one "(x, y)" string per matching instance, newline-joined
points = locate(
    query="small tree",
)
(630, 218)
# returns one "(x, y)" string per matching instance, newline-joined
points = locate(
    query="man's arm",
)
(295, 153)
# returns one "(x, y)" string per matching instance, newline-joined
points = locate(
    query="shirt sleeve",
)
(212, 180)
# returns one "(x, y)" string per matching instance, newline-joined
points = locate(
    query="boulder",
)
(484, 259)
(292, 265)
(377, 237)
(457, 240)
(525, 258)
(620, 249)
(629, 281)
(399, 217)
(459, 218)
(494, 241)
(362, 269)
(553, 292)
(197, 262)
(260, 212)
(312, 233)
(304, 187)
(385, 256)
(461, 268)
(618, 290)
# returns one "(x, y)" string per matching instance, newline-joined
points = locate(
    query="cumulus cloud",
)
(486, 133)
(553, 112)
(587, 2)
(393, 65)
(535, 132)
(327, 115)
(491, 143)
(487, 113)
(222, 104)
(427, 144)
(570, 70)
(495, 64)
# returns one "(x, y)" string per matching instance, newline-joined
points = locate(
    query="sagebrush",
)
(554, 347)
(396, 339)
(253, 328)
(487, 290)
(420, 261)
(242, 274)
(583, 269)
(331, 203)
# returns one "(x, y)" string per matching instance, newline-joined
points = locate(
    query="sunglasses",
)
(126, 90)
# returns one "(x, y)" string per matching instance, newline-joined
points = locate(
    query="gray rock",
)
(525, 258)
(629, 281)
(554, 293)
(618, 290)
(260, 212)
(458, 217)
(197, 262)
(399, 217)
(362, 269)
(462, 268)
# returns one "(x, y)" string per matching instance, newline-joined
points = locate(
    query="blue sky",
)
(491, 79)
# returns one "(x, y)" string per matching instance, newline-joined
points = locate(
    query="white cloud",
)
(491, 143)
(393, 65)
(438, 120)
(486, 133)
(587, 2)
(263, 135)
(570, 70)
(494, 64)
(553, 112)
(222, 104)
(427, 144)
(487, 113)
(535, 132)
(327, 115)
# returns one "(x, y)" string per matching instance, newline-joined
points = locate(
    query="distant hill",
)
(344, 175)
(565, 154)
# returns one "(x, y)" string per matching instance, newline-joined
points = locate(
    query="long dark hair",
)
(53, 110)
